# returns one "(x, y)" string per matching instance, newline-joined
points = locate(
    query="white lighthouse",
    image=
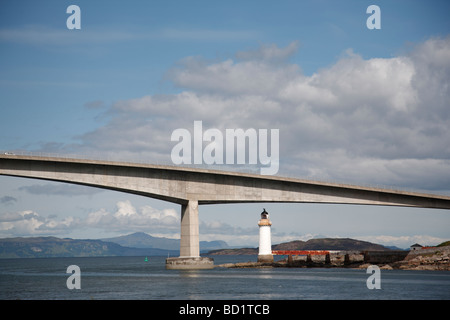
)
(265, 242)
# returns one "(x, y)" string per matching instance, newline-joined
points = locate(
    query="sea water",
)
(134, 278)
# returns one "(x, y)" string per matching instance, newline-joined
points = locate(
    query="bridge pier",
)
(189, 242)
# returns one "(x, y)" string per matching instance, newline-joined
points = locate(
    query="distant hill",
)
(329, 244)
(135, 244)
(312, 244)
(144, 240)
(40, 247)
(444, 244)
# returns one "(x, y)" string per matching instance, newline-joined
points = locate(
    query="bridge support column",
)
(189, 242)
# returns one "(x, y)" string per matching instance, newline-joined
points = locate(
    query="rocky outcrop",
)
(436, 258)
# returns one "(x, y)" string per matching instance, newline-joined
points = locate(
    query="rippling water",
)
(127, 278)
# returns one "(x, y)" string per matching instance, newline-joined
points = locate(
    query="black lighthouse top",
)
(264, 214)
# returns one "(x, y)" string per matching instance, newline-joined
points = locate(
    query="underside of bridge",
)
(191, 187)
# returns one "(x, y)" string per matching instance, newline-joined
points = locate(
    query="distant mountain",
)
(35, 247)
(312, 244)
(329, 244)
(135, 244)
(144, 240)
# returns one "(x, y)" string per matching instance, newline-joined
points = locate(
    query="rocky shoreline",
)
(436, 258)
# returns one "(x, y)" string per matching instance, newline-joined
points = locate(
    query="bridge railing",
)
(130, 159)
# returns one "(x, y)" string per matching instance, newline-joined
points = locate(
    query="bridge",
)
(191, 187)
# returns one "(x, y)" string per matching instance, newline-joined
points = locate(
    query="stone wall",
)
(345, 258)
(382, 257)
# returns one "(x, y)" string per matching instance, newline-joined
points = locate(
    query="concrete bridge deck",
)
(181, 184)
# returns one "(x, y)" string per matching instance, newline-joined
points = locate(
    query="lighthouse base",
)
(265, 257)
(189, 263)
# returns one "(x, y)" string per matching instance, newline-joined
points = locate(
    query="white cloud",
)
(375, 121)
(31, 223)
(126, 219)
(248, 77)
(129, 219)
(221, 228)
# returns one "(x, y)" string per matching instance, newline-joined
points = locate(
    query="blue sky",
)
(352, 105)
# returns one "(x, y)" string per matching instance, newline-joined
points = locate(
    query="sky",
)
(353, 105)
